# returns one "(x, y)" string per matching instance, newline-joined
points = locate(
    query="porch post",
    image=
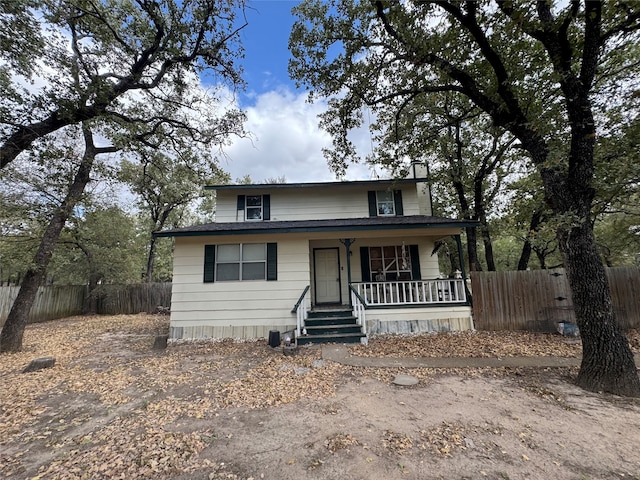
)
(460, 255)
(462, 269)
(347, 242)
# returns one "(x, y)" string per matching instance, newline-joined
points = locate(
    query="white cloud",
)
(286, 142)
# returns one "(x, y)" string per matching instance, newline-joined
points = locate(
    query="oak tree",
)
(390, 54)
(123, 68)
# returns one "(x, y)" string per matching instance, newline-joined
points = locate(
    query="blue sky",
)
(266, 40)
(286, 138)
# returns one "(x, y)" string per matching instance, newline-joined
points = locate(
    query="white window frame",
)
(241, 262)
(380, 203)
(395, 261)
(248, 207)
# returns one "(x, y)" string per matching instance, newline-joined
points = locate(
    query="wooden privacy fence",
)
(50, 303)
(538, 300)
(63, 301)
(125, 299)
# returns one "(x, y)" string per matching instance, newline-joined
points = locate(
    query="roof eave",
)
(260, 186)
(313, 229)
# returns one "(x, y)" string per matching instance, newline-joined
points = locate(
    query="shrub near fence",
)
(537, 300)
(64, 301)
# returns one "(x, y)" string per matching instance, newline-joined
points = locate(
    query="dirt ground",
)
(112, 407)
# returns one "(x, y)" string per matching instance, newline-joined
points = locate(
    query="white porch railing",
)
(359, 310)
(449, 290)
(301, 309)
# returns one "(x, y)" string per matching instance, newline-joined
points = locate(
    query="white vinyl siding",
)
(252, 307)
(313, 203)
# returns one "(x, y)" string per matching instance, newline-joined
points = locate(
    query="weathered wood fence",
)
(539, 299)
(62, 301)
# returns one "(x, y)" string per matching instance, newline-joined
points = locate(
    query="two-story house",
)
(278, 256)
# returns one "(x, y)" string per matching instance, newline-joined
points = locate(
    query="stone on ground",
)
(39, 364)
(405, 380)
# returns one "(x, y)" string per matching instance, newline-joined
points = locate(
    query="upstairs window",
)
(254, 208)
(385, 203)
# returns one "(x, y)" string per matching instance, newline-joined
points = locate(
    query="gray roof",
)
(367, 183)
(408, 222)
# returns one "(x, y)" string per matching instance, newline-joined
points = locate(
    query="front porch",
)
(414, 292)
(385, 307)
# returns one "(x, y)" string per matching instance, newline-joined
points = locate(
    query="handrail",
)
(359, 306)
(355, 292)
(295, 308)
(301, 312)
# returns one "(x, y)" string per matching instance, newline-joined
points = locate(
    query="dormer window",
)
(254, 208)
(385, 203)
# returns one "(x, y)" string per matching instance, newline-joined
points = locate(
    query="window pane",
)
(227, 271)
(385, 203)
(392, 276)
(389, 260)
(254, 213)
(385, 197)
(254, 201)
(253, 252)
(228, 253)
(253, 271)
(386, 209)
(389, 252)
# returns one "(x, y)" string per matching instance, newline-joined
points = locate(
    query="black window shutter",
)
(240, 202)
(272, 261)
(364, 264)
(415, 262)
(209, 263)
(266, 207)
(397, 199)
(373, 204)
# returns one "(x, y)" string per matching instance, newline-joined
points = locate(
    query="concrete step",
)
(331, 338)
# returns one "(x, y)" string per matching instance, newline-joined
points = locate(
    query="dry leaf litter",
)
(139, 396)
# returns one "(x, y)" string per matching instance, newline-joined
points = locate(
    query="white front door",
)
(327, 275)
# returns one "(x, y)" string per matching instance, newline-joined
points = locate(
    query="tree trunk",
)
(542, 258)
(607, 361)
(525, 255)
(13, 330)
(488, 248)
(91, 304)
(472, 250)
(151, 260)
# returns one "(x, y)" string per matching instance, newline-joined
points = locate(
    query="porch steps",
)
(327, 326)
